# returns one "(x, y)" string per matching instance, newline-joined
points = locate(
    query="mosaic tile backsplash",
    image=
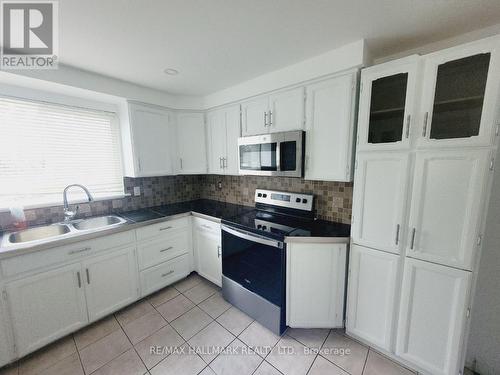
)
(333, 199)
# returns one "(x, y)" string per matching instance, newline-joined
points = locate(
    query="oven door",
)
(255, 262)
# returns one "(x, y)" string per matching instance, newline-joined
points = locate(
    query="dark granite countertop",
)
(321, 230)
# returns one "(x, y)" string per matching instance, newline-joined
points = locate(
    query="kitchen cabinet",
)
(148, 145)
(278, 112)
(330, 122)
(208, 249)
(6, 347)
(388, 105)
(379, 200)
(111, 282)
(459, 96)
(432, 316)
(46, 306)
(191, 145)
(449, 189)
(318, 267)
(371, 295)
(223, 131)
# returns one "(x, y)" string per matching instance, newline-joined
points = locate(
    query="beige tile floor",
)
(193, 314)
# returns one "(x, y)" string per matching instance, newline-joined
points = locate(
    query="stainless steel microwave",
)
(275, 154)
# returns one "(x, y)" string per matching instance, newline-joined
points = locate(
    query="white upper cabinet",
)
(371, 295)
(46, 307)
(315, 285)
(446, 207)
(110, 282)
(460, 96)
(286, 110)
(278, 112)
(330, 121)
(191, 145)
(432, 316)
(379, 199)
(255, 116)
(150, 135)
(387, 105)
(223, 131)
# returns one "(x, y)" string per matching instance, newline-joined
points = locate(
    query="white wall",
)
(484, 339)
(349, 56)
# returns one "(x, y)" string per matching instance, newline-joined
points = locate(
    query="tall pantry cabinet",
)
(427, 134)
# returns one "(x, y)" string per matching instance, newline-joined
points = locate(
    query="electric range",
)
(254, 254)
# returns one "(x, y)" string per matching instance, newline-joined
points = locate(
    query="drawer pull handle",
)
(218, 252)
(73, 252)
(79, 279)
(165, 228)
(168, 273)
(167, 249)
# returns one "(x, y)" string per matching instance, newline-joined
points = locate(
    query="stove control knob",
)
(304, 200)
(259, 226)
(264, 195)
(297, 200)
(259, 194)
(264, 227)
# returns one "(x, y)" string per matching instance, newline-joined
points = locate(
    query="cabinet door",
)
(254, 116)
(110, 282)
(311, 267)
(216, 133)
(287, 110)
(387, 105)
(46, 307)
(191, 143)
(152, 134)
(233, 132)
(447, 203)
(6, 352)
(460, 96)
(380, 191)
(432, 316)
(330, 129)
(371, 295)
(209, 255)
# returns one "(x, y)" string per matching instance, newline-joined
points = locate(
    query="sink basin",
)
(38, 233)
(98, 222)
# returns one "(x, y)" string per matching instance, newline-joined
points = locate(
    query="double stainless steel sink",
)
(54, 231)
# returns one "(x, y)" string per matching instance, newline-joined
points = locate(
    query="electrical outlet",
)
(219, 185)
(137, 191)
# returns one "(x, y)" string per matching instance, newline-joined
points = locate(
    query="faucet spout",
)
(68, 215)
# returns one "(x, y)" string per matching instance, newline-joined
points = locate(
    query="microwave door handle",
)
(252, 237)
(278, 156)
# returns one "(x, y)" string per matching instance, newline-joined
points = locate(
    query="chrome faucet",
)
(68, 214)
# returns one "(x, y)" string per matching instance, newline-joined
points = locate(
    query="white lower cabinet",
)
(371, 295)
(6, 347)
(46, 306)
(110, 282)
(432, 316)
(208, 250)
(315, 284)
(164, 274)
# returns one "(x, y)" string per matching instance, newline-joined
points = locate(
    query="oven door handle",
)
(252, 237)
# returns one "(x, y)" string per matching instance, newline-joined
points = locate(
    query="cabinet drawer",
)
(161, 249)
(63, 254)
(207, 225)
(164, 274)
(165, 227)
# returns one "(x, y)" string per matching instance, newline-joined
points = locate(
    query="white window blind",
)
(45, 147)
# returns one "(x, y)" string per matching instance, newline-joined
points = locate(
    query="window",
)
(44, 147)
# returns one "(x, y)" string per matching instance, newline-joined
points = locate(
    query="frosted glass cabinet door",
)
(447, 201)
(371, 295)
(380, 190)
(459, 97)
(432, 316)
(387, 105)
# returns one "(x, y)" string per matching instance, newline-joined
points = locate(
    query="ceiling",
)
(218, 43)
